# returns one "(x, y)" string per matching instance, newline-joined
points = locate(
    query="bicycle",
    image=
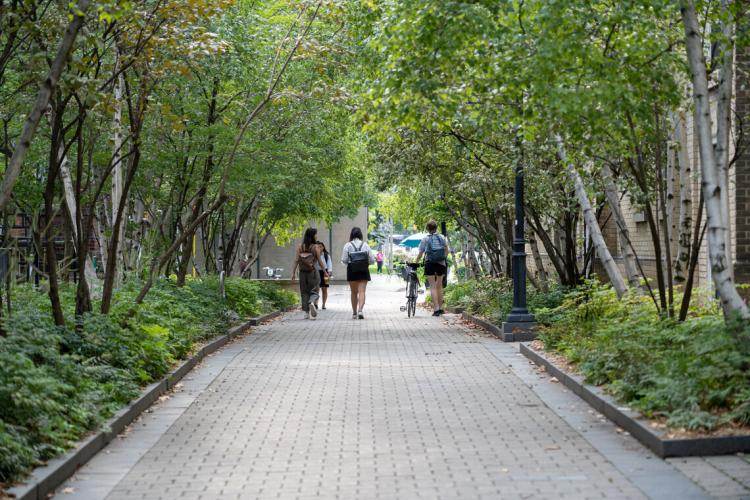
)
(412, 288)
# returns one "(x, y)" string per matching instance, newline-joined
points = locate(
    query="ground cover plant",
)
(693, 374)
(59, 382)
(492, 298)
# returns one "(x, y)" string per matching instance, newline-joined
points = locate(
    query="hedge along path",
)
(386, 407)
(44, 480)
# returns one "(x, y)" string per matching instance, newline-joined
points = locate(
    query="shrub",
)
(57, 383)
(695, 373)
(492, 298)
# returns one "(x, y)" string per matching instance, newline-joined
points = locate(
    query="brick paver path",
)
(386, 407)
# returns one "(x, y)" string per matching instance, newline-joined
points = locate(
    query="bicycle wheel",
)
(411, 302)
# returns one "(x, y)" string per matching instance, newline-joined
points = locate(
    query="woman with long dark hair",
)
(357, 258)
(308, 253)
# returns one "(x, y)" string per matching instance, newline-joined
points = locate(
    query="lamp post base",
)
(519, 328)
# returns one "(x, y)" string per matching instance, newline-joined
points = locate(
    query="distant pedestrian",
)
(357, 257)
(308, 253)
(435, 248)
(324, 278)
(379, 258)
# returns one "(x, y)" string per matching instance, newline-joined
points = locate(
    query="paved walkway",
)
(387, 407)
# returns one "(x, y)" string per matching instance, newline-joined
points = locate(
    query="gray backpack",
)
(435, 251)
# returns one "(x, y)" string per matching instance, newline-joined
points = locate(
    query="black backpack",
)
(359, 260)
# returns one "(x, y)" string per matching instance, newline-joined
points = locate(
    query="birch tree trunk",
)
(723, 124)
(669, 181)
(623, 233)
(117, 170)
(731, 301)
(13, 169)
(685, 230)
(589, 217)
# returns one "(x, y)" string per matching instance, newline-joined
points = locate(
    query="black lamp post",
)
(518, 327)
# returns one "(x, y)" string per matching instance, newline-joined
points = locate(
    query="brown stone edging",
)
(496, 330)
(633, 422)
(43, 480)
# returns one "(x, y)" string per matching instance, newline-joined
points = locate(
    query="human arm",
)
(345, 255)
(422, 248)
(321, 261)
(296, 263)
(329, 264)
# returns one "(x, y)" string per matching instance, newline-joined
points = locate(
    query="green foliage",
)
(252, 298)
(695, 373)
(56, 384)
(492, 298)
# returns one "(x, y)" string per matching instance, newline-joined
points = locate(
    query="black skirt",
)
(434, 269)
(357, 275)
(323, 283)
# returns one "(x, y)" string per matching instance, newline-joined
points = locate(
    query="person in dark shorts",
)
(324, 278)
(435, 249)
(357, 257)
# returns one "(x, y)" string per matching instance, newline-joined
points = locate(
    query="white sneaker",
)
(313, 309)
(307, 315)
(354, 316)
(360, 315)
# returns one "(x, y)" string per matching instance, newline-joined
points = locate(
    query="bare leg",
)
(362, 287)
(439, 292)
(433, 292)
(353, 289)
(325, 296)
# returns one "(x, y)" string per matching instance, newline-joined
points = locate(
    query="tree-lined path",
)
(381, 408)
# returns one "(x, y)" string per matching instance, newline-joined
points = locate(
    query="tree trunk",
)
(13, 169)
(159, 262)
(623, 233)
(724, 123)
(70, 199)
(693, 264)
(538, 262)
(553, 252)
(117, 191)
(661, 170)
(591, 223)
(686, 204)
(731, 301)
(49, 232)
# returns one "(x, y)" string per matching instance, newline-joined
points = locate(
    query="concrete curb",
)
(633, 422)
(497, 331)
(43, 480)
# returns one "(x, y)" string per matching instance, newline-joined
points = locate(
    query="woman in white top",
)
(323, 277)
(357, 257)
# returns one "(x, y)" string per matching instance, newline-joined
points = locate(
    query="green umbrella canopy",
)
(413, 240)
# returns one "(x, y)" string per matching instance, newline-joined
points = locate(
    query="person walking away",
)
(379, 258)
(324, 278)
(435, 249)
(308, 252)
(357, 257)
